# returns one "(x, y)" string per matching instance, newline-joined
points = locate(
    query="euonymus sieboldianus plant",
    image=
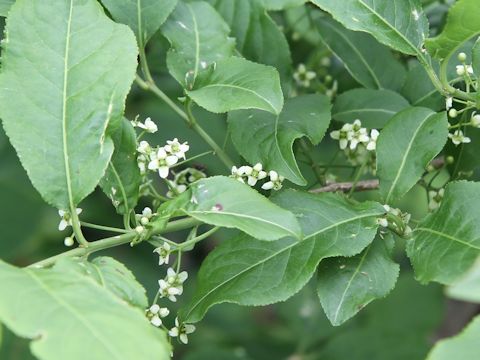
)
(340, 136)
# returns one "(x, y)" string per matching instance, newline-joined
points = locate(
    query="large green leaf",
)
(347, 285)
(463, 346)
(112, 275)
(64, 312)
(268, 139)
(373, 107)
(467, 287)
(251, 272)
(405, 146)
(476, 58)
(236, 83)
(122, 179)
(63, 82)
(446, 244)
(199, 38)
(226, 202)
(255, 32)
(463, 23)
(370, 63)
(281, 4)
(143, 16)
(400, 24)
(5, 6)
(419, 90)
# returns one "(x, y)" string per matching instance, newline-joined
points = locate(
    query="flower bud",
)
(462, 57)
(450, 160)
(453, 113)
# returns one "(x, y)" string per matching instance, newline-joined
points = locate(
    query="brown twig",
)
(345, 187)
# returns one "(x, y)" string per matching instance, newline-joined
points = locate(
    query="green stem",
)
(116, 241)
(192, 158)
(448, 89)
(316, 169)
(77, 230)
(356, 179)
(104, 228)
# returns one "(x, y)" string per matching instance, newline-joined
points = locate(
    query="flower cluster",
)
(354, 134)
(464, 69)
(163, 252)
(435, 197)
(181, 330)
(155, 314)
(162, 158)
(172, 285)
(256, 173)
(66, 218)
(396, 220)
(149, 126)
(182, 180)
(459, 138)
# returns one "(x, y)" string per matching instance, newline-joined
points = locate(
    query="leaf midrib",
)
(448, 236)
(332, 226)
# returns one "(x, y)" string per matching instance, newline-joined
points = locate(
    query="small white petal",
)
(63, 225)
(156, 321)
(184, 338)
(171, 160)
(154, 309)
(163, 171)
(268, 185)
(173, 332)
(252, 181)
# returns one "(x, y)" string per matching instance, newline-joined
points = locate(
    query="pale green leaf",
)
(476, 58)
(143, 16)
(122, 178)
(281, 4)
(420, 91)
(268, 139)
(463, 346)
(467, 287)
(463, 23)
(405, 147)
(67, 314)
(446, 244)
(5, 6)
(347, 285)
(251, 272)
(199, 37)
(255, 32)
(63, 82)
(399, 24)
(370, 63)
(236, 83)
(373, 107)
(110, 274)
(226, 202)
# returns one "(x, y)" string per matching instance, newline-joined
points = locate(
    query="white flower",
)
(148, 126)
(238, 173)
(475, 121)
(458, 138)
(435, 198)
(464, 69)
(172, 285)
(448, 102)
(383, 222)
(275, 182)
(254, 174)
(144, 148)
(372, 143)
(66, 218)
(161, 161)
(173, 147)
(163, 253)
(155, 314)
(358, 135)
(303, 77)
(145, 216)
(181, 331)
(342, 136)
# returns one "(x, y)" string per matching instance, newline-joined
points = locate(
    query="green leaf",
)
(369, 62)
(226, 202)
(446, 244)
(251, 272)
(347, 285)
(463, 23)
(419, 90)
(199, 37)
(281, 4)
(268, 139)
(462, 346)
(373, 107)
(50, 307)
(405, 147)
(255, 31)
(236, 83)
(476, 58)
(143, 16)
(110, 274)
(467, 287)
(399, 24)
(59, 95)
(5, 6)
(122, 179)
